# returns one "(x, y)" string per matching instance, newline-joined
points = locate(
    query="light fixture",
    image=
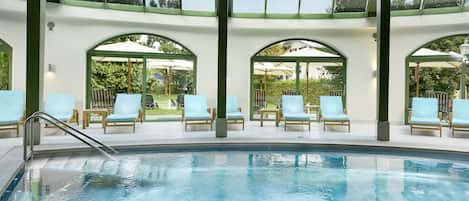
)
(51, 69)
(51, 25)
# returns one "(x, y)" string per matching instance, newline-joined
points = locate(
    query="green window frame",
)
(140, 55)
(5, 47)
(255, 58)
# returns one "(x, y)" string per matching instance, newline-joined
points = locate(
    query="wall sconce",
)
(51, 69)
(374, 36)
(51, 25)
(374, 74)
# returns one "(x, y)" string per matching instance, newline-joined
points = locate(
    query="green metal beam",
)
(383, 36)
(34, 58)
(221, 124)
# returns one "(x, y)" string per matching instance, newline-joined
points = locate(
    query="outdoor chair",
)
(127, 111)
(150, 102)
(196, 111)
(293, 111)
(332, 112)
(62, 107)
(12, 107)
(233, 111)
(459, 118)
(424, 115)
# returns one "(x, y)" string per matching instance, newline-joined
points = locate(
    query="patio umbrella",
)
(127, 46)
(270, 69)
(169, 65)
(425, 52)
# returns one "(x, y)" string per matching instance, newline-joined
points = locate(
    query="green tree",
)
(4, 70)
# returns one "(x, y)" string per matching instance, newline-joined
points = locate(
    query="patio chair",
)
(459, 118)
(332, 112)
(233, 112)
(62, 107)
(12, 106)
(293, 111)
(196, 111)
(127, 111)
(150, 102)
(424, 115)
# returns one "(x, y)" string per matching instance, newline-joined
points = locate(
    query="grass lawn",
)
(162, 101)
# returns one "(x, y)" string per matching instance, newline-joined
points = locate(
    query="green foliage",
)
(405, 4)
(447, 44)
(274, 50)
(113, 75)
(4, 70)
(350, 5)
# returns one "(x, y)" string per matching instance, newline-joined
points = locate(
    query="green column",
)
(462, 87)
(221, 124)
(34, 59)
(383, 32)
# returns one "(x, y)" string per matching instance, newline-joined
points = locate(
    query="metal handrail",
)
(64, 127)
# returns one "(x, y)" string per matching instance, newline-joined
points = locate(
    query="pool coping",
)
(12, 162)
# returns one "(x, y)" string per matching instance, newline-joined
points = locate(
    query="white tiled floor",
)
(163, 132)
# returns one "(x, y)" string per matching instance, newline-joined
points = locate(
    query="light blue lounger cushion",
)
(293, 108)
(461, 112)
(232, 111)
(332, 108)
(424, 111)
(11, 106)
(126, 108)
(60, 106)
(195, 108)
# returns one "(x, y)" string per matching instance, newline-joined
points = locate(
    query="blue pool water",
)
(244, 176)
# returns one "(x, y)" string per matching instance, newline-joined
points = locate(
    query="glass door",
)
(320, 79)
(167, 81)
(271, 80)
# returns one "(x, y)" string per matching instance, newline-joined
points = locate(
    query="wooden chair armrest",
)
(182, 113)
(212, 112)
(440, 116)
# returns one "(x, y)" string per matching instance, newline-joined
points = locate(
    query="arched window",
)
(295, 66)
(159, 68)
(5, 65)
(434, 70)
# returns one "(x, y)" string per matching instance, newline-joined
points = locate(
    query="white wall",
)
(79, 29)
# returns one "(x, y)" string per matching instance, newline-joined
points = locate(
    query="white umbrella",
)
(270, 69)
(169, 65)
(425, 52)
(309, 52)
(127, 46)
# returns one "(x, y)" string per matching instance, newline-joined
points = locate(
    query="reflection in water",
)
(217, 176)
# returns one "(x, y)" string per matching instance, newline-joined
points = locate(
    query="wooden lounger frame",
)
(335, 122)
(132, 123)
(294, 122)
(198, 122)
(437, 127)
(456, 128)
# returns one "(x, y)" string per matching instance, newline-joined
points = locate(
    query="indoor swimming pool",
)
(244, 175)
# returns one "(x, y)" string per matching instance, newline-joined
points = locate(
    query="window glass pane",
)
(248, 6)
(467, 3)
(440, 3)
(199, 5)
(164, 4)
(316, 6)
(405, 4)
(282, 6)
(93, 0)
(350, 6)
(128, 2)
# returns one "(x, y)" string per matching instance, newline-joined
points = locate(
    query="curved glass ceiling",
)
(312, 9)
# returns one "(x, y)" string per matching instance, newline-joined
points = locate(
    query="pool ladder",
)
(28, 137)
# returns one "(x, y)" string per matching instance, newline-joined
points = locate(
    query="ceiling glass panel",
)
(128, 2)
(199, 5)
(316, 6)
(248, 6)
(282, 6)
(164, 4)
(440, 3)
(350, 6)
(93, 0)
(405, 4)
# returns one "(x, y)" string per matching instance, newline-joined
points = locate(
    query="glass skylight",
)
(199, 5)
(248, 6)
(316, 6)
(440, 3)
(128, 2)
(350, 6)
(175, 4)
(405, 4)
(282, 6)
